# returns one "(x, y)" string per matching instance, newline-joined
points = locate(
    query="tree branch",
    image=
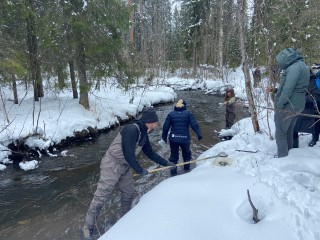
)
(293, 113)
(255, 211)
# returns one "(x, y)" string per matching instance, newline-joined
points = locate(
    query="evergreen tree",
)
(194, 14)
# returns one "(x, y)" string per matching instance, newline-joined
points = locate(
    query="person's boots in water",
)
(86, 232)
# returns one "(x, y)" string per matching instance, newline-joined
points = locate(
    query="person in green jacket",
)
(290, 97)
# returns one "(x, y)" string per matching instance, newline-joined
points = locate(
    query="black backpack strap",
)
(139, 138)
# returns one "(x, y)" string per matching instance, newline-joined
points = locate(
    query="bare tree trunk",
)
(256, 28)
(242, 24)
(40, 106)
(194, 58)
(131, 23)
(221, 40)
(39, 80)
(267, 36)
(70, 50)
(73, 79)
(32, 44)
(83, 83)
(14, 89)
(4, 105)
(164, 48)
(80, 57)
(142, 35)
(61, 76)
(205, 43)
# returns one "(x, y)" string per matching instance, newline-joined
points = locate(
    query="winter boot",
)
(86, 232)
(315, 139)
(312, 143)
(173, 172)
(186, 167)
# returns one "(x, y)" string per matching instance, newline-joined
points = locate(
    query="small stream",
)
(51, 201)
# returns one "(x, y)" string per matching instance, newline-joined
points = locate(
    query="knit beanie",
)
(149, 115)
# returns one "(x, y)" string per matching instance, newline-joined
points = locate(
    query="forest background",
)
(79, 45)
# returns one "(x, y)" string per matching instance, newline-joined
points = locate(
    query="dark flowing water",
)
(51, 201)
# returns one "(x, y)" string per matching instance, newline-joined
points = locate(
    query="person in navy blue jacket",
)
(308, 124)
(178, 122)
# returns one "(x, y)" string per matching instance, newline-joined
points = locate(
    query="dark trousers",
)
(186, 153)
(315, 134)
(230, 119)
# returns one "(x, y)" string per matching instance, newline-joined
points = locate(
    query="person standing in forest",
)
(312, 107)
(290, 97)
(178, 122)
(315, 69)
(116, 163)
(230, 103)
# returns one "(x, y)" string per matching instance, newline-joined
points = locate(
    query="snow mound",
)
(28, 165)
(2, 167)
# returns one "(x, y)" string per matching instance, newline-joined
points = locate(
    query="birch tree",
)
(242, 6)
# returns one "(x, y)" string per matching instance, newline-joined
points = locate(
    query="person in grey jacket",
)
(290, 97)
(116, 163)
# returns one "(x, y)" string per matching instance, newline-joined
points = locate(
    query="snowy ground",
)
(58, 115)
(211, 201)
(61, 115)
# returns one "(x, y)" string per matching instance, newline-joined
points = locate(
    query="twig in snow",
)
(255, 211)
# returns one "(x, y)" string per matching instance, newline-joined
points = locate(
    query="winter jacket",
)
(132, 138)
(294, 81)
(179, 120)
(231, 105)
(230, 101)
(313, 95)
(307, 124)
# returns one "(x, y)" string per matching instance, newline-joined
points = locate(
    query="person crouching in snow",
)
(230, 103)
(116, 163)
(178, 122)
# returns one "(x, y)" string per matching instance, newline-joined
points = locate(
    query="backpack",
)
(318, 80)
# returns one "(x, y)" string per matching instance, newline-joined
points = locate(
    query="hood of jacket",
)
(181, 105)
(179, 109)
(287, 57)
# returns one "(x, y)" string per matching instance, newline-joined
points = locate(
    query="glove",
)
(199, 138)
(144, 173)
(162, 143)
(171, 165)
(225, 102)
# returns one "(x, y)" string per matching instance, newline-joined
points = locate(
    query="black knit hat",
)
(149, 115)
